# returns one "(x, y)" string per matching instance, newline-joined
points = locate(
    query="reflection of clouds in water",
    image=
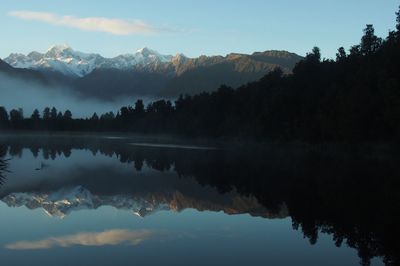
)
(110, 237)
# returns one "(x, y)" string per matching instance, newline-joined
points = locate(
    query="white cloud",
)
(99, 24)
(110, 237)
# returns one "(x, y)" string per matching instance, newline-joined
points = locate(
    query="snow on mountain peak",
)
(59, 47)
(146, 55)
(62, 202)
(63, 52)
(62, 58)
(146, 50)
(35, 55)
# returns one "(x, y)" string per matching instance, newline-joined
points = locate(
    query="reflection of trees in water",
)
(3, 164)
(353, 198)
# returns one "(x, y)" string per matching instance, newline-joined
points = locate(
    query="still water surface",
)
(98, 201)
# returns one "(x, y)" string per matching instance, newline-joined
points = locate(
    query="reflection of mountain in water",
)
(62, 202)
(350, 192)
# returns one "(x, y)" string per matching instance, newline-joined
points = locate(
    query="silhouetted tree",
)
(314, 56)
(107, 116)
(316, 52)
(355, 50)
(139, 107)
(16, 117)
(341, 54)
(398, 21)
(94, 117)
(67, 115)
(35, 115)
(3, 117)
(125, 112)
(53, 113)
(46, 113)
(369, 42)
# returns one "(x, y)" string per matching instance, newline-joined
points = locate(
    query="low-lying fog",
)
(15, 93)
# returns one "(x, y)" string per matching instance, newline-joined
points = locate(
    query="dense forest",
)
(353, 98)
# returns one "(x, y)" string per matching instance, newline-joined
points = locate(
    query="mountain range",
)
(143, 73)
(62, 202)
(63, 59)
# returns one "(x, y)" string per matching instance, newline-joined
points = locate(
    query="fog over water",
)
(15, 93)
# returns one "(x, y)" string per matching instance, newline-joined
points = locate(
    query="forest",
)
(353, 98)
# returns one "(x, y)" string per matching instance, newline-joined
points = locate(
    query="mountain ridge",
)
(61, 203)
(63, 59)
(146, 73)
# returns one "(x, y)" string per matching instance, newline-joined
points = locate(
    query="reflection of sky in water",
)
(189, 237)
(25, 169)
(108, 236)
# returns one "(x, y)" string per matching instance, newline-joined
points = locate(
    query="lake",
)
(105, 200)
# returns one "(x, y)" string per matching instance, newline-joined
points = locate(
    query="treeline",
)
(353, 98)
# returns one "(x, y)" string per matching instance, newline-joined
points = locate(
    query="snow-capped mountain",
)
(63, 59)
(63, 201)
(59, 58)
(142, 57)
(145, 73)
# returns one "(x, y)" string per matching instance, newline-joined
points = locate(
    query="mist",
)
(16, 93)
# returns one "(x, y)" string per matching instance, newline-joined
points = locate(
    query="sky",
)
(194, 28)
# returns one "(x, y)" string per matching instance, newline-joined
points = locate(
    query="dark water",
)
(117, 201)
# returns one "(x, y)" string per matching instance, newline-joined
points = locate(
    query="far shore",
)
(374, 149)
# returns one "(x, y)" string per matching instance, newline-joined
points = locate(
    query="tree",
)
(46, 113)
(139, 107)
(3, 116)
(126, 112)
(16, 115)
(53, 113)
(35, 115)
(398, 22)
(67, 115)
(370, 43)
(341, 54)
(355, 50)
(94, 117)
(107, 116)
(162, 107)
(317, 53)
(310, 63)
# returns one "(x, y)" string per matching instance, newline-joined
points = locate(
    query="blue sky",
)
(194, 28)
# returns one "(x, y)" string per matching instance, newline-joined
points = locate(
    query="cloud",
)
(110, 237)
(98, 24)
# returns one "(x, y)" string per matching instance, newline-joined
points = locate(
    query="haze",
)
(29, 96)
